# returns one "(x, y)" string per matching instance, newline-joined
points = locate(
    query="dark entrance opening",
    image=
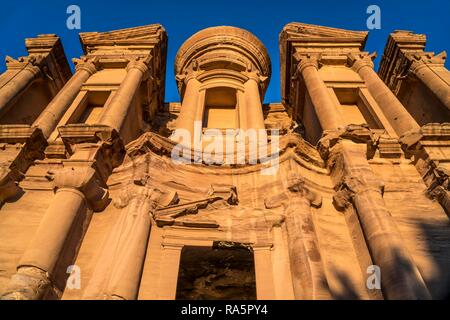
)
(225, 271)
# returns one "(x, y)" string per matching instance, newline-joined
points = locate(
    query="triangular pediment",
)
(297, 30)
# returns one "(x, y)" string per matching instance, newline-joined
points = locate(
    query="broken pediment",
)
(222, 196)
(296, 31)
(330, 44)
(152, 143)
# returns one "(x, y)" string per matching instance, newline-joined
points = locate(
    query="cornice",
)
(302, 32)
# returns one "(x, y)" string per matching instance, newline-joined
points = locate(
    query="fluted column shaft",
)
(117, 110)
(17, 84)
(395, 112)
(49, 118)
(325, 108)
(436, 84)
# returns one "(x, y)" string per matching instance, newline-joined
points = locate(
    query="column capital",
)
(360, 60)
(183, 79)
(255, 76)
(142, 64)
(85, 180)
(138, 190)
(29, 283)
(425, 59)
(297, 190)
(88, 64)
(307, 60)
(32, 64)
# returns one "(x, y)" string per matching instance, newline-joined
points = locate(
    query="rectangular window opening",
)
(91, 108)
(220, 108)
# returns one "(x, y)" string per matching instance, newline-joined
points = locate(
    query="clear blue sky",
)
(182, 18)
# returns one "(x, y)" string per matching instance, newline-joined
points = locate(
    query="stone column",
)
(395, 112)
(254, 110)
(400, 278)
(325, 108)
(117, 110)
(49, 118)
(188, 111)
(118, 274)
(25, 74)
(77, 188)
(439, 86)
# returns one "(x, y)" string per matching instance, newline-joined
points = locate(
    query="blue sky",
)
(182, 18)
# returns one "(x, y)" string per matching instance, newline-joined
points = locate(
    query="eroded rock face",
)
(216, 273)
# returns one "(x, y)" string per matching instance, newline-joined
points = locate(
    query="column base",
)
(29, 283)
